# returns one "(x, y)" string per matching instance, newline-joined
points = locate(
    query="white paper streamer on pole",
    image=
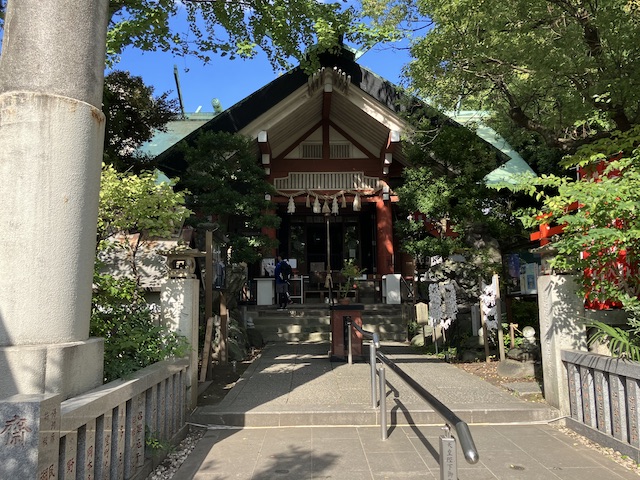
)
(443, 304)
(291, 207)
(334, 206)
(307, 204)
(316, 205)
(344, 201)
(488, 306)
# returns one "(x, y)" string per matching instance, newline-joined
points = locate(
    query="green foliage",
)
(350, 271)
(445, 184)
(133, 115)
(132, 204)
(606, 224)
(155, 444)
(230, 186)
(566, 71)
(138, 204)
(121, 316)
(283, 29)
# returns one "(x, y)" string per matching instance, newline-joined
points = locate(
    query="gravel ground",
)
(617, 457)
(167, 469)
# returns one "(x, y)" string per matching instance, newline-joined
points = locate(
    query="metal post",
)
(329, 260)
(372, 363)
(347, 321)
(383, 403)
(448, 461)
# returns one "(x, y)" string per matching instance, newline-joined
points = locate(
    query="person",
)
(282, 273)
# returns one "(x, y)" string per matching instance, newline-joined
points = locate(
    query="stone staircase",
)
(312, 323)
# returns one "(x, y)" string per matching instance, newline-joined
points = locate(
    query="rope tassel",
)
(356, 203)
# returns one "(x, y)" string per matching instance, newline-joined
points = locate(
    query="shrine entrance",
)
(304, 238)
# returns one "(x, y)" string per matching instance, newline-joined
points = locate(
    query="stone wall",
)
(100, 434)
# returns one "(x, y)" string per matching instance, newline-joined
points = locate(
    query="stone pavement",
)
(295, 414)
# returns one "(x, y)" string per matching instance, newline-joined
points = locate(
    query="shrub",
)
(120, 314)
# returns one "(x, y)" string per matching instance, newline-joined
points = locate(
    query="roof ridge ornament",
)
(325, 79)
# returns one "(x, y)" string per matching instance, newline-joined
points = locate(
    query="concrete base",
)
(67, 369)
(562, 327)
(180, 307)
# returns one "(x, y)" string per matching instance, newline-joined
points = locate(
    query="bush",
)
(120, 314)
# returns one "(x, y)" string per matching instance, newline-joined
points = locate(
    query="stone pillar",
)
(51, 132)
(384, 237)
(29, 436)
(561, 328)
(179, 298)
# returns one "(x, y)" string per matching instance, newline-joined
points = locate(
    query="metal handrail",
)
(367, 334)
(462, 429)
(375, 344)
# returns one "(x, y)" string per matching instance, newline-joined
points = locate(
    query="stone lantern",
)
(182, 263)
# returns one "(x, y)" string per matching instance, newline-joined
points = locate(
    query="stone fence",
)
(102, 434)
(604, 398)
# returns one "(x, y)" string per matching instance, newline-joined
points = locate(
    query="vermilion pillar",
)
(270, 232)
(384, 237)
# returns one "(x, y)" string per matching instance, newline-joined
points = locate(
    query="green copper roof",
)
(506, 172)
(176, 131)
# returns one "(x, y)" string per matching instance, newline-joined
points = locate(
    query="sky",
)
(232, 80)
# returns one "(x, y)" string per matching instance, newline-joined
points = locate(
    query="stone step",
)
(310, 323)
(339, 416)
(297, 310)
(312, 333)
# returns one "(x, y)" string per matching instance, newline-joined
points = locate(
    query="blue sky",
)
(232, 80)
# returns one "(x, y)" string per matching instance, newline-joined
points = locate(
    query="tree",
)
(138, 206)
(565, 70)
(133, 115)
(227, 184)
(601, 228)
(283, 29)
(445, 186)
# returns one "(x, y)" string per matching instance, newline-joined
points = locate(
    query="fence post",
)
(448, 459)
(383, 403)
(30, 436)
(372, 363)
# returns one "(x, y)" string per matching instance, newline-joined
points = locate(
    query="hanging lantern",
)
(307, 204)
(334, 206)
(356, 203)
(325, 207)
(291, 207)
(316, 205)
(344, 201)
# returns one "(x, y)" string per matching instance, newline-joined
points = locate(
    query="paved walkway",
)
(296, 415)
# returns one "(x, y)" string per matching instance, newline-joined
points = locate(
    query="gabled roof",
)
(288, 105)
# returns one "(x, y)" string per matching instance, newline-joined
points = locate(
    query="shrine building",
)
(331, 144)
